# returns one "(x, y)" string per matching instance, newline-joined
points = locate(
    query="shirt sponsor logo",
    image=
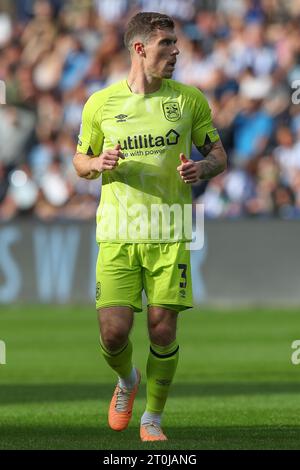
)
(148, 140)
(171, 111)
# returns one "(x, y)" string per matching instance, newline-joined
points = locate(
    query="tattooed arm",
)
(214, 163)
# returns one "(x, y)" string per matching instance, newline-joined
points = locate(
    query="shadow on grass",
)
(37, 393)
(184, 438)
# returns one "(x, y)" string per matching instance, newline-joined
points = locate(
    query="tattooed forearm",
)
(215, 161)
(211, 166)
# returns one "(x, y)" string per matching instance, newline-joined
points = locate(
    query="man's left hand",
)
(188, 170)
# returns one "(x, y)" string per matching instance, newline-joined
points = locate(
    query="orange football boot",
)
(120, 409)
(150, 432)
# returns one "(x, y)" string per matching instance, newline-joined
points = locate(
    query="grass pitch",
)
(235, 386)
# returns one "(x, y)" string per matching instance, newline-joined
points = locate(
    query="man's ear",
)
(139, 48)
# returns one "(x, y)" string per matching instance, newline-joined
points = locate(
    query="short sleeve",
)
(202, 128)
(90, 139)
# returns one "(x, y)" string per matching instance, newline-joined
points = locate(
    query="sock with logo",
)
(121, 362)
(161, 368)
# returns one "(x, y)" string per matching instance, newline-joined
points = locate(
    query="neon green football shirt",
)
(144, 199)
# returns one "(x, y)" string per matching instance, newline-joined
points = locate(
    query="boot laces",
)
(123, 396)
(153, 429)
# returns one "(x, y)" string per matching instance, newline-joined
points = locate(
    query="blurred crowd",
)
(243, 54)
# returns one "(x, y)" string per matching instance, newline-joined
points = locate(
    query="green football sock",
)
(120, 361)
(161, 368)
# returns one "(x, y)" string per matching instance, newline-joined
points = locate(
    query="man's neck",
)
(142, 84)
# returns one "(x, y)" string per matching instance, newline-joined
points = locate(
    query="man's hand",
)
(215, 162)
(108, 160)
(91, 167)
(188, 170)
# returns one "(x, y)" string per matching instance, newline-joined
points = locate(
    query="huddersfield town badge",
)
(171, 111)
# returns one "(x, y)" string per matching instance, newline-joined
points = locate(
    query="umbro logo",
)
(182, 293)
(165, 382)
(121, 117)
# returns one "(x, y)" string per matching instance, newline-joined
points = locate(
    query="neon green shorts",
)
(163, 270)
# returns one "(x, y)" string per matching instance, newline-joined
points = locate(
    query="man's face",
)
(161, 53)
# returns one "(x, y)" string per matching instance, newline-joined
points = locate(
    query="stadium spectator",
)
(252, 127)
(287, 154)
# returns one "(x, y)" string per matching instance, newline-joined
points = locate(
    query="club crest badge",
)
(172, 111)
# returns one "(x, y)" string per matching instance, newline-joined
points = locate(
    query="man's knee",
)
(115, 325)
(113, 339)
(162, 335)
(162, 326)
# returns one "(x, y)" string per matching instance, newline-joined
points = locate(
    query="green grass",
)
(235, 386)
